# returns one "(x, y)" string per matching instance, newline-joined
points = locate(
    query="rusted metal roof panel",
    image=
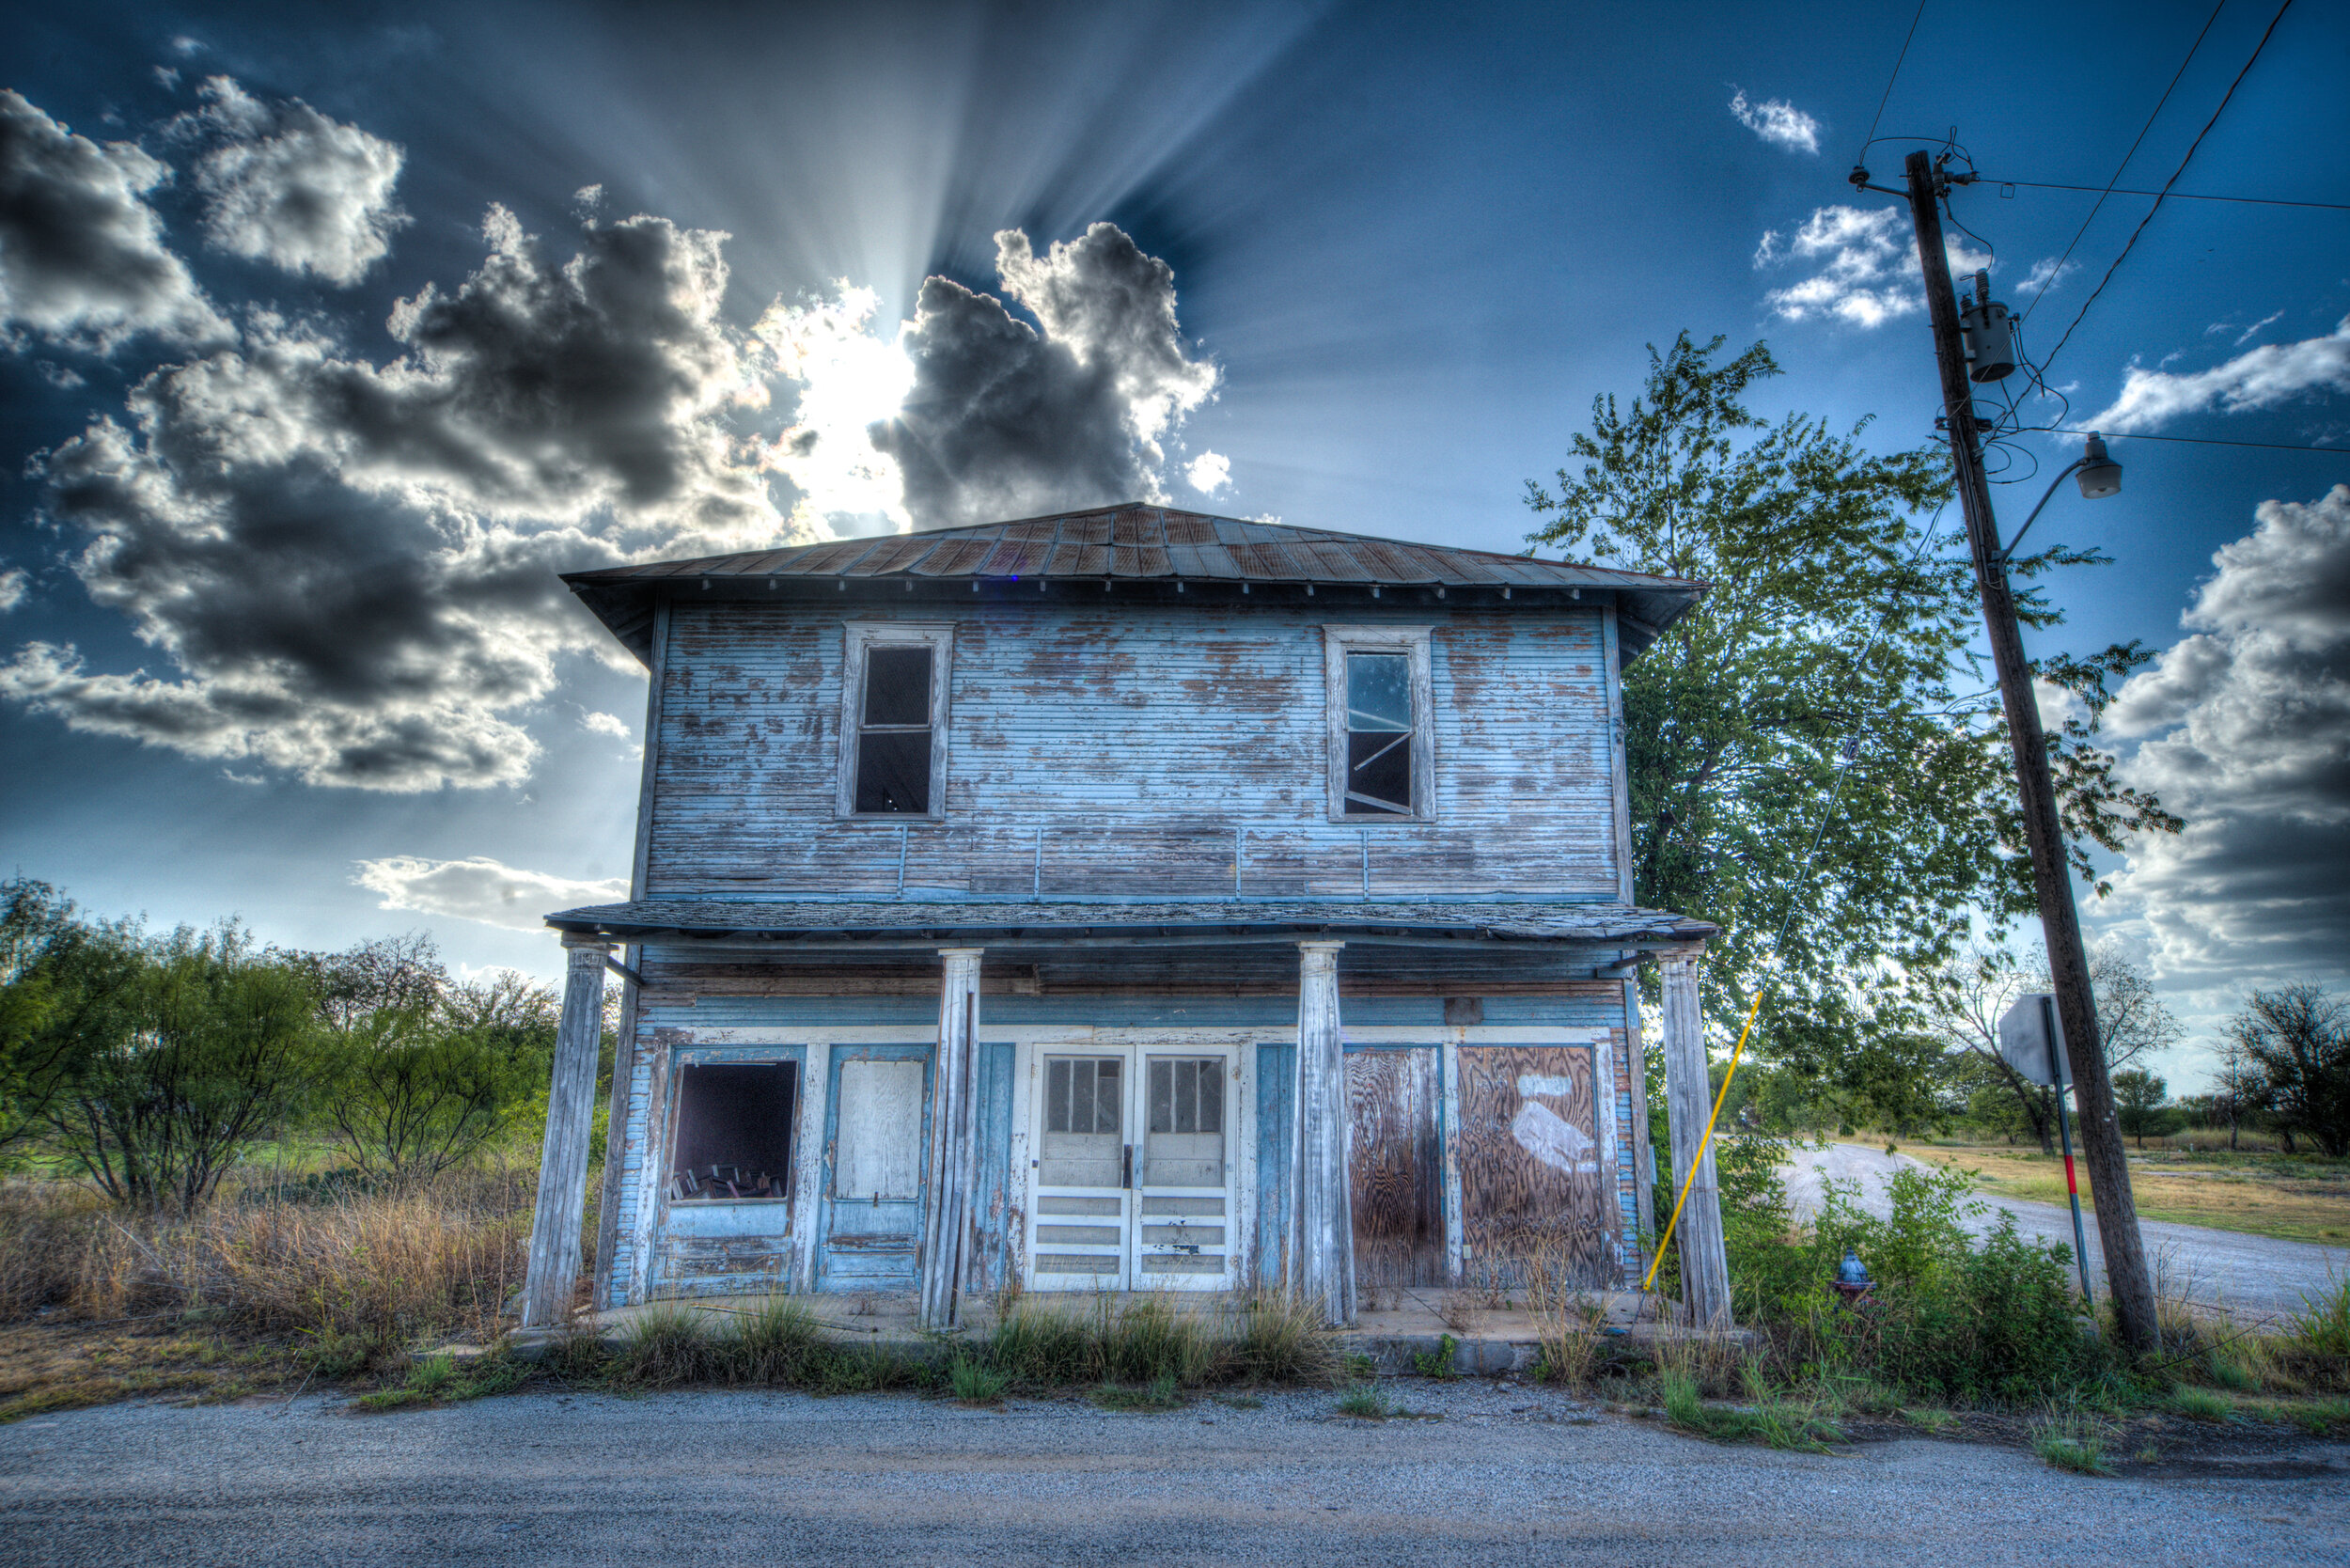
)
(893, 554)
(954, 557)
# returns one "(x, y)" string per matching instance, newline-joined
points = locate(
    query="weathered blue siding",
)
(1277, 1087)
(1136, 750)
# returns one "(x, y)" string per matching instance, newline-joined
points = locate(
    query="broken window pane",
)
(734, 1131)
(897, 686)
(893, 771)
(1379, 734)
(1379, 692)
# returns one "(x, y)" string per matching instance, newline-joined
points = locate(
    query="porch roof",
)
(909, 923)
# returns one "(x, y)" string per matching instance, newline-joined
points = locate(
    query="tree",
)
(66, 991)
(2139, 1100)
(1840, 610)
(422, 1086)
(2298, 1040)
(194, 1047)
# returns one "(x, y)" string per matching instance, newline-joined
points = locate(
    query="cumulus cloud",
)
(848, 381)
(1004, 420)
(82, 261)
(13, 584)
(1209, 473)
(283, 183)
(2265, 377)
(1865, 263)
(350, 566)
(2247, 726)
(1778, 122)
(605, 724)
(480, 889)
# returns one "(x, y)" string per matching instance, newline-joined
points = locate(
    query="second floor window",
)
(893, 750)
(1380, 754)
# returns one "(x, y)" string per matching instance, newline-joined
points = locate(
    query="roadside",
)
(1496, 1474)
(2259, 1276)
(2288, 1196)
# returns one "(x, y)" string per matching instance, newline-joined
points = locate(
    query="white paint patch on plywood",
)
(1551, 1139)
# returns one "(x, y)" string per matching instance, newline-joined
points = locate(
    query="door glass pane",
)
(1081, 1145)
(1184, 1146)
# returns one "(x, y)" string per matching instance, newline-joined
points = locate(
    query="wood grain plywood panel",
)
(1395, 1165)
(1531, 1188)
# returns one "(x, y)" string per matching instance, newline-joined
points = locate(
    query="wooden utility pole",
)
(2126, 1275)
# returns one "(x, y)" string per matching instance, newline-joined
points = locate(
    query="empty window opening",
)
(1379, 734)
(734, 1124)
(893, 752)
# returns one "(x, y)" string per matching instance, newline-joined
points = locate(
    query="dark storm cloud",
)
(1004, 421)
(285, 184)
(2249, 725)
(352, 565)
(82, 261)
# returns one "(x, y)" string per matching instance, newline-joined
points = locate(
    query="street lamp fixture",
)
(2100, 477)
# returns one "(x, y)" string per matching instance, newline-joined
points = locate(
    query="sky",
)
(327, 336)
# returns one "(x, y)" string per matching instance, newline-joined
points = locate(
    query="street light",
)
(2100, 477)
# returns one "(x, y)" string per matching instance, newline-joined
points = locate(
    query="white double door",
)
(1132, 1163)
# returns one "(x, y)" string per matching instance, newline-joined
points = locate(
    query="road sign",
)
(2031, 1039)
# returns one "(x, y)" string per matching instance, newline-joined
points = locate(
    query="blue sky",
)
(1403, 246)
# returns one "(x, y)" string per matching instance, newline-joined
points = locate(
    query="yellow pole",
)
(1658, 1262)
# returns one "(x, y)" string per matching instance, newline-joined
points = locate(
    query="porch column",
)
(570, 1127)
(1688, 1100)
(945, 1223)
(1323, 1272)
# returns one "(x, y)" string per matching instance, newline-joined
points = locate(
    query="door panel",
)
(878, 1129)
(1531, 1188)
(1132, 1185)
(1395, 1166)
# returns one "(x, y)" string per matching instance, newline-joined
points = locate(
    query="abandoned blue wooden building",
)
(1128, 899)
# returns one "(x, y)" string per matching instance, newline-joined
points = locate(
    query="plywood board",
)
(1531, 1182)
(1395, 1167)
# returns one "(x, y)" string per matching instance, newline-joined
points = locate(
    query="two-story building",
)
(1129, 900)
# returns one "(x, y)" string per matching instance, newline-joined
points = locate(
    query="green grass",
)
(1931, 1420)
(1440, 1362)
(2202, 1405)
(1368, 1402)
(2069, 1440)
(1798, 1424)
(442, 1380)
(976, 1382)
(1158, 1394)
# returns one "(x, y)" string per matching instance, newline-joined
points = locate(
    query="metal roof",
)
(1141, 548)
(1141, 923)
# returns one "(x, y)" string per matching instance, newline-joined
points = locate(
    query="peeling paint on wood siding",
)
(1138, 743)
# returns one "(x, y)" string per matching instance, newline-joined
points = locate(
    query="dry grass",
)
(2295, 1199)
(355, 1280)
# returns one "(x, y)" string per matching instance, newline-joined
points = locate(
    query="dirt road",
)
(2254, 1276)
(1507, 1476)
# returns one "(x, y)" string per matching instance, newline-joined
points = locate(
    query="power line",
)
(1915, 17)
(2204, 441)
(2225, 100)
(2057, 270)
(2104, 191)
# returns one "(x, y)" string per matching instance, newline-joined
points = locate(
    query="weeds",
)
(1440, 1362)
(975, 1383)
(1773, 1420)
(1368, 1402)
(2202, 1405)
(1159, 1394)
(2070, 1440)
(442, 1380)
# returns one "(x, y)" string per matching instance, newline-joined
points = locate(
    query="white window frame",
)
(1337, 643)
(858, 638)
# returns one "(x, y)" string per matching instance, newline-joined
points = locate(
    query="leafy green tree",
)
(194, 1047)
(419, 1086)
(1841, 609)
(2141, 1100)
(67, 990)
(2297, 1041)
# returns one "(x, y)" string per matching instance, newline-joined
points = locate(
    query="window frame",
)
(858, 639)
(1337, 643)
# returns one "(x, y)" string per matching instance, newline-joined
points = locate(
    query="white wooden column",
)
(1688, 1100)
(1323, 1248)
(570, 1127)
(954, 1091)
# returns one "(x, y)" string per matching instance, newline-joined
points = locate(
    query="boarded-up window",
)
(877, 1156)
(1532, 1186)
(1395, 1165)
(733, 1134)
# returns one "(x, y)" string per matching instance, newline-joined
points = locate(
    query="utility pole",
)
(2107, 1158)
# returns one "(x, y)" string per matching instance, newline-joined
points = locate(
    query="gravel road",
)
(1509, 1475)
(2252, 1275)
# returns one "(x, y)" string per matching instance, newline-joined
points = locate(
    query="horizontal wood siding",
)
(1141, 750)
